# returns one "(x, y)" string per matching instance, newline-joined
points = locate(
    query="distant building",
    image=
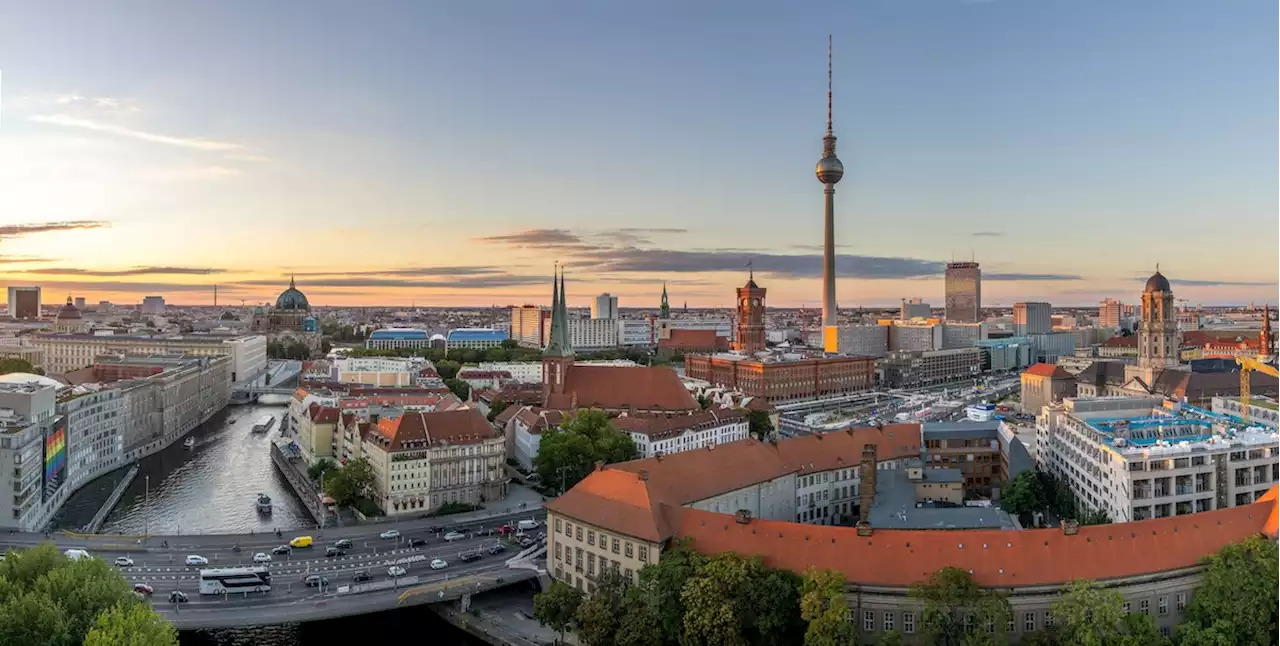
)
(914, 308)
(1005, 355)
(605, 307)
(24, 302)
(67, 352)
(80, 303)
(589, 334)
(1044, 384)
(783, 379)
(1110, 313)
(964, 292)
(1032, 318)
(666, 435)
(1048, 347)
(751, 308)
(69, 320)
(639, 332)
(19, 348)
(864, 340)
(154, 305)
(379, 371)
(529, 325)
(30, 424)
(474, 339)
(396, 338)
(686, 342)
(907, 369)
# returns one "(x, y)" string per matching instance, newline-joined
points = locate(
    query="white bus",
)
(235, 580)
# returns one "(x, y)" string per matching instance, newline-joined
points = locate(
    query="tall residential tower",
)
(829, 171)
(964, 292)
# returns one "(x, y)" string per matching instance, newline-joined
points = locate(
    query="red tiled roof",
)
(621, 388)
(1048, 370)
(507, 413)
(616, 500)
(1122, 342)
(473, 373)
(322, 414)
(693, 339)
(417, 430)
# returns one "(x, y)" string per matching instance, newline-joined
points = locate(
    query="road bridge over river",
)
(159, 561)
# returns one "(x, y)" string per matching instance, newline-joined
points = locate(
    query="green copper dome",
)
(292, 299)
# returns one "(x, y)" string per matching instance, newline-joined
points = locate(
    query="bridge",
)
(160, 561)
(281, 378)
(255, 391)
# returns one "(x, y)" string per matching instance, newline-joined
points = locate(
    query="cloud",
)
(126, 287)
(14, 230)
(196, 173)
(131, 271)
(420, 272)
(182, 142)
(465, 282)
(1217, 283)
(1030, 277)
(16, 260)
(535, 238)
(565, 240)
(987, 234)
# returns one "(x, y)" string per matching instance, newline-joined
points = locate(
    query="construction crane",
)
(1247, 366)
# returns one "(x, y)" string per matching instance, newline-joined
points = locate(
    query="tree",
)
(1023, 495)
(47, 599)
(496, 408)
(640, 621)
(950, 597)
(1087, 615)
(599, 616)
(585, 437)
(459, 387)
(557, 607)
(823, 606)
(772, 602)
(890, 638)
(351, 483)
(660, 587)
(321, 467)
(760, 425)
(495, 354)
(1237, 597)
(15, 365)
(713, 612)
(1095, 517)
(131, 625)
(448, 369)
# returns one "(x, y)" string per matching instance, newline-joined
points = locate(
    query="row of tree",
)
(288, 349)
(1036, 491)
(688, 598)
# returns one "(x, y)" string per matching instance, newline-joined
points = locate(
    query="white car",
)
(439, 564)
(395, 570)
(194, 560)
(390, 533)
(124, 561)
(454, 536)
(261, 557)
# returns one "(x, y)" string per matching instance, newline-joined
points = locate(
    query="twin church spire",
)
(559, 345)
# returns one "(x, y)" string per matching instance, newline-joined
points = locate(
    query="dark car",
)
(282, 549)
(468, 557)
(416, 542)
(177, 596)
(344, 544)
(361, 577)
(315, 581)
(333, 551)
(435, 529)
(497, 548)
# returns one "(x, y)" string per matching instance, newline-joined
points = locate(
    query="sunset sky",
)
(447, 153)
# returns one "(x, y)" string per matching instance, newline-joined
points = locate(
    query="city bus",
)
(234, 580)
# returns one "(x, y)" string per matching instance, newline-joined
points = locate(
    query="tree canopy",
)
(1024, 495)
(47, 599)
(557, 607)
(350, 483)
(459, 387)
(957, 610)
(760, 425)
(823, 605)
(15, 365)
(585, 437)
(1237, 598)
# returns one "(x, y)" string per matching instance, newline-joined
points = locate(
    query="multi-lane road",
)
(160, 562)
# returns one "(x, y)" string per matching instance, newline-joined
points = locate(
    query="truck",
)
(527, 524)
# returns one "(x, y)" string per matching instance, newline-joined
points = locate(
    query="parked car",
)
(124, 561)
(468, 557)
(361, 577)
(526, 541)
(497, 548)
(396, 571)
(177, 596)
(390, 533)
(454, 536)
(344, 544)
(315, 581)
(261, 557)
(439, 564)
(143, 590)
(330, 552)
(416, 542)
(195, 560)
(282, 549)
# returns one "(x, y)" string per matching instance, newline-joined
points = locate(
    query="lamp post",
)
(146, 504)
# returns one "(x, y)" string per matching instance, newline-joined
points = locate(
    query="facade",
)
(920, 369)
(248, 356)
(1005, 355)
(1051, 345)
(723, 327)
(750, 339)
(95, 424)
(1032, 318)
(1262, 410)
(974, 450)
(153, 305)
(605, 307)
(667, 435)
(636, 332)
(590, 334)
(379, 371)
(20, 349)
(527, 426)
(1158, 341)
(33, 440)
(864, 340)
(915, 335)
(915, 308)
(529, 325)
(396, 338)
(474, 339)
(683, 342)
(786, 379)
(962, 335)
(424, 460)
(1110, 313)
(964, 292)
(1044, 384)
(66, 352)
(24, 302)
(291, 314)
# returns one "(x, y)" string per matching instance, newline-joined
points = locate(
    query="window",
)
(1181, 601)
(1124, 607)
(617, 544)
(1048, 620)
(591, 537)
(557, 551)
(1162, 606)
(1028, 622)
(1010, 627)
(869, 621)
(888, 621)
(591, 563)
(968, 622)
(630, 550)
(1144, 606)
(579, 534)
(908, 622)
(991, 626)
(644, 554)
(568, 529)
(627, 573)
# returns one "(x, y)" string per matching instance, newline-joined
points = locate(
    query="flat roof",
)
(895, 508)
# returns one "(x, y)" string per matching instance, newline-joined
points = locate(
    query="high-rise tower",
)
(829, 171)
(557, 357)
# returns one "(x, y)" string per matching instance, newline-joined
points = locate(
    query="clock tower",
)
(750, 317)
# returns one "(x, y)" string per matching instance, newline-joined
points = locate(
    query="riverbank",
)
(501, 618)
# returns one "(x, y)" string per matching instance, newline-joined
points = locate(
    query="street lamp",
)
(146, 507)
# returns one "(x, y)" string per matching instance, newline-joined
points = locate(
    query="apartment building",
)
(919, 369)
(67, 352)
(33, 440)
(589, 334)
(976, 451)
(379, 371)
(423, 460)
(95, 423)
(666, 435)
(529, 324)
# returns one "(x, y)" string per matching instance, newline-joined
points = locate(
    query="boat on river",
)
(264, 504)
(264, 424)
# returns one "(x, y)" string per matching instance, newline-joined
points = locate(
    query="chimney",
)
(864, 528)
(658, 456)
(1070, 527)
(644, 475)
(742, 517)
(867, 490)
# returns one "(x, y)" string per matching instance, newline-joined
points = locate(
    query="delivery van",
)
(301, 541)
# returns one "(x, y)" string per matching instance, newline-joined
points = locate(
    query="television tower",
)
(829, 171)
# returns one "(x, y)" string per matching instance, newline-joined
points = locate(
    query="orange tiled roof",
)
(621, 388)
(616, 500)
(693, 339)
(1048, 370)
(1122, 342)
(322, 414)
(416, 430)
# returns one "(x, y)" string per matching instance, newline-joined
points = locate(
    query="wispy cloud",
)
(15, 230)
(987, 234)
(19, 260)
(129, 271)
(1016, 276)
(1218, 283)
(421, 272)
(458, 283)
(97, 126)
(535, 238)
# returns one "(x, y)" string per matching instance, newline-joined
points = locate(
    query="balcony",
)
(1182, 490)
(1161, 492)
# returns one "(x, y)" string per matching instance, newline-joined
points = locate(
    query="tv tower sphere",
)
(829, 170)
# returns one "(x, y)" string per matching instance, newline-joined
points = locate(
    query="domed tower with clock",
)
(750, 317)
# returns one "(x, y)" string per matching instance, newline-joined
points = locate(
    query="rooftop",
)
(896, 508)
(398, 333)
(477, 334)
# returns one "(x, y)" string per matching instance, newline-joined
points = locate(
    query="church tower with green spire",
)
(557, 358)
(664, 311)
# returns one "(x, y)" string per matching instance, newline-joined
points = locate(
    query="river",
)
(211, 489)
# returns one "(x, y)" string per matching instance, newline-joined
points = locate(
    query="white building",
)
(530, 372)
(475, 338)
(95, 424)
(636, 332)
(589, 334)
(666, 435)
(379, 371)
(605, 307)
(33, 441)
(526, 431)
(914, 308)
(66, 352)
(248, 356)
(394, 338)
(1262, 411)
(1143, 457)
(153, 305)
(864, 340)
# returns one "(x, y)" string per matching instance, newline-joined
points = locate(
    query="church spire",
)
(664, 310)
(559, 345)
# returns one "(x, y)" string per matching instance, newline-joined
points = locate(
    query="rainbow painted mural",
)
(55, 458)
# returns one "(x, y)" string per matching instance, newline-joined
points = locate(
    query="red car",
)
(142, 589)
(506, 529)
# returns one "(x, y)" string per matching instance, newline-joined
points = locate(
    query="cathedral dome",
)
(68, 311)
(292, 299)
(1157, 283)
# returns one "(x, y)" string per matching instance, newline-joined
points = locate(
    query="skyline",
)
(968, 128)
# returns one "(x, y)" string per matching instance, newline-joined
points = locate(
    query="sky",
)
(449, 153)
